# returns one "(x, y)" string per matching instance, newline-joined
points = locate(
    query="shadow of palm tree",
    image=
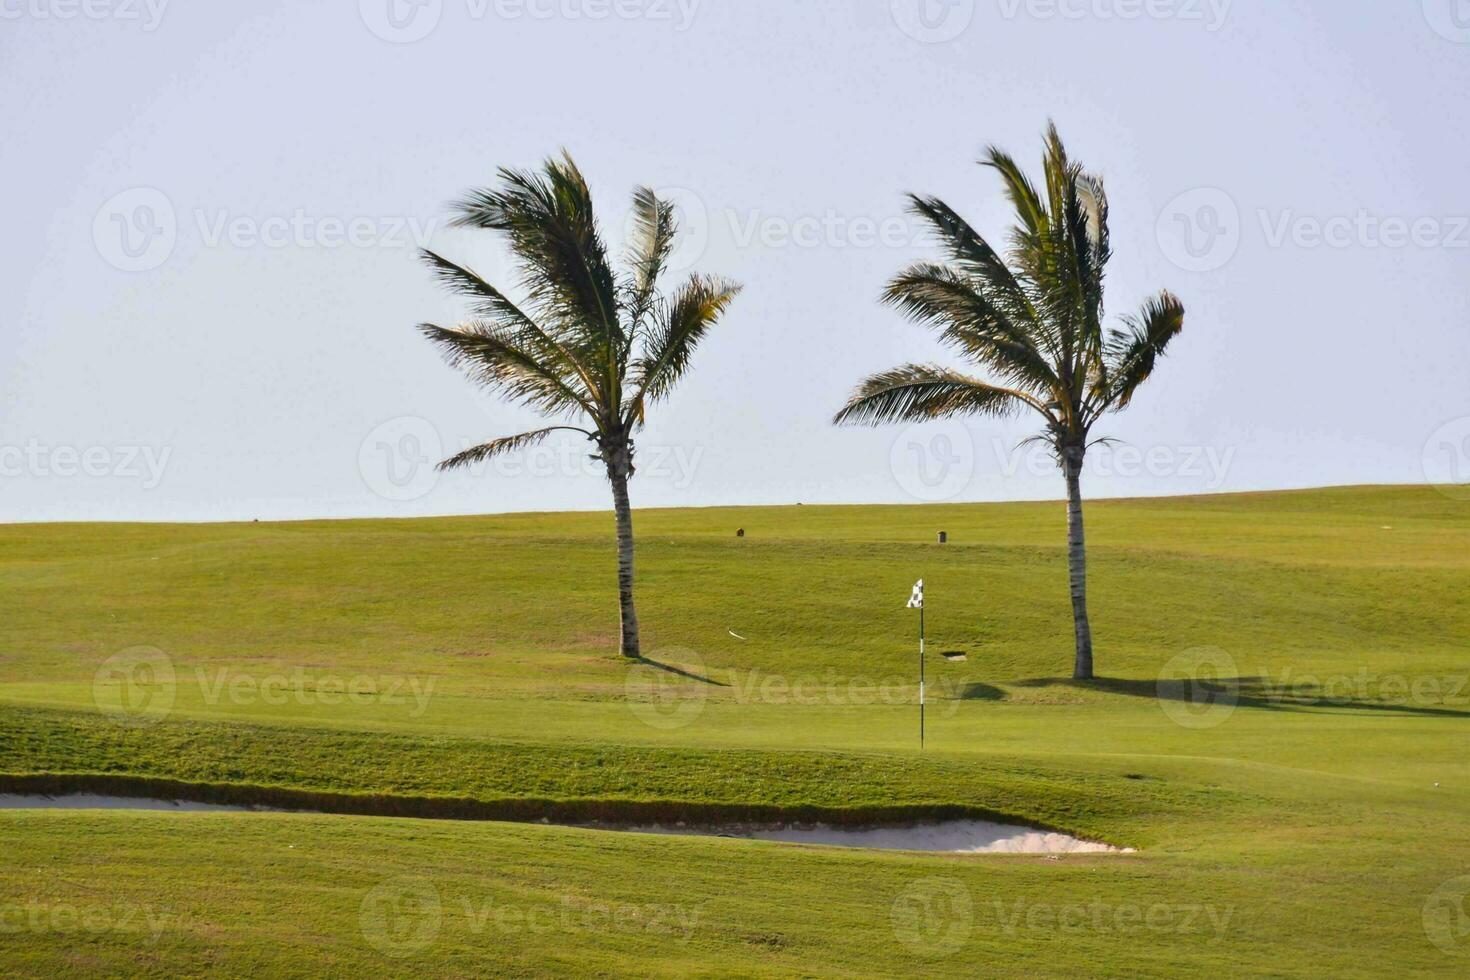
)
(975, 691)
(1246, 692)
(680, 671)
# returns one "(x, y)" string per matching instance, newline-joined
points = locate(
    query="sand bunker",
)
(950, 836)
(94, 801)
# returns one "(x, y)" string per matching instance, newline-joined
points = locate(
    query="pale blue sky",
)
(209, 285)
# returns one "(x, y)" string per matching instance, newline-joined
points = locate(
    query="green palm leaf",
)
(550, 226)
(1133, 352)
(497, 447)
(961, 311)
(498, 361)
(678, 327)
(649, 247)
(491, 304)
(920, 392)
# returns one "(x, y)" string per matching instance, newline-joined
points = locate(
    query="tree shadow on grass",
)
(1245, 692)
(680, 671)
(975, 691)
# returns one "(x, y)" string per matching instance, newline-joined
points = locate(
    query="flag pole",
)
(916, 601)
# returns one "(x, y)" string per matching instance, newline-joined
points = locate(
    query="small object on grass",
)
(943, 537)
(733, 633)
(740, 532)
(954, 656)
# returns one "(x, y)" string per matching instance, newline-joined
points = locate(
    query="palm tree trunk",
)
(1077, 563)
(618, 470)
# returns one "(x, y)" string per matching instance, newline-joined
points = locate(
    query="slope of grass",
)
(702, 781)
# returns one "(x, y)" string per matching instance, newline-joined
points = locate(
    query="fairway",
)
(1298, 809)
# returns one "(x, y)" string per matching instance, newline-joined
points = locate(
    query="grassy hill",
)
(1305, 818)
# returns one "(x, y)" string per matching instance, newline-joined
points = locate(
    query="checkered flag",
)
(916, 601)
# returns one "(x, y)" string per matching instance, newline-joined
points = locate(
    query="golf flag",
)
(916, 601)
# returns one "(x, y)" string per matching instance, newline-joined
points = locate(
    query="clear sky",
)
(208, 284)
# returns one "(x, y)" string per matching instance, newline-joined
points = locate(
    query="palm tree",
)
(589, 347)
(1033, 321)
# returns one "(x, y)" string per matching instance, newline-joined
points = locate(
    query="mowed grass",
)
(1310, 829)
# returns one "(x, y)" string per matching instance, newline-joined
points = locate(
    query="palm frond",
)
(1025, 201)
(920, 392)
(489, 302)
(1065, 268)
(976, 257)
(1094, 241)
(496, 359)
(551, 228)
(1133, 352)
(652, 241)
(494, 306)
(677, 328)
(497, 447)
(962, 310)
(1095, 203)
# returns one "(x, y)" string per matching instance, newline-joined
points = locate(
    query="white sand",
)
(953, 836)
